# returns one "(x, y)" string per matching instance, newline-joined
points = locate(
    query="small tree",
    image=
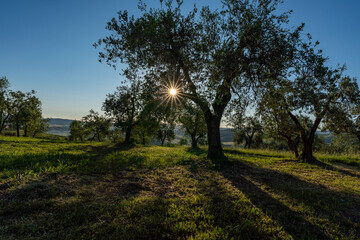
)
(115, 134)
(124, 107)
(278, 125)
(311, 93)
(248, 130)
(342, 121)
(32, 115)
(4, 114)
(37, 126)
(77, 131)
(192, 120)
(147, 127)
(166, 132)
(22, 107)
(96, 125)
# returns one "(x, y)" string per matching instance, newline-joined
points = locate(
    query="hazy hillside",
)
(59, 126)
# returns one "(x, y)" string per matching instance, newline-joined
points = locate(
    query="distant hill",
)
(59, 126)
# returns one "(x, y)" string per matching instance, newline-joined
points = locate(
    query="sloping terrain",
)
(61, 190)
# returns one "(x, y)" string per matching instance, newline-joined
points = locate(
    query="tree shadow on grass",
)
(196, 151)
(258, 184)
(64, 160)
(64, 208)
(253, 154)
(332, 167)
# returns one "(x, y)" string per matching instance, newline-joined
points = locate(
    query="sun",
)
(172, 91)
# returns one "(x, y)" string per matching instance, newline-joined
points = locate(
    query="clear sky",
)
(47, 45)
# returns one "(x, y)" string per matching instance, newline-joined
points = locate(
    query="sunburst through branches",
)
(172, 90)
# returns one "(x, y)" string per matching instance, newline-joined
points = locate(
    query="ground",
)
(60, 190)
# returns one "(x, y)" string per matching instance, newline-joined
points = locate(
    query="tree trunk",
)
(143, 139)
(3, 123)
(163, 139)
(25, 131)
(293, 147)
(250, 141)
(17, 129)
(215, 150)
(193, 141)
(128, 135)
(92, 139)
(307, 152)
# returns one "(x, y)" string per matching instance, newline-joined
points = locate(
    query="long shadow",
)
(196, 151)
(245, 224)
(331, 167)
(317, 162)
(90, 161)
(31, 212)
(334, 206)
(239, 152)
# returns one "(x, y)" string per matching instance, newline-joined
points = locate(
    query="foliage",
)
(124, 107)
(22, 110)
(97, 126)
(4, 115)
(115, 135)
(37, 126)
(77, 131)
(310, 93)
(214, 51)
(166, 131)
(192, 120)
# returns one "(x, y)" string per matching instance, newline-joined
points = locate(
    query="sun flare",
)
(172, 91)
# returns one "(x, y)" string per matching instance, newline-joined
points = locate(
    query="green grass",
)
(60, 190)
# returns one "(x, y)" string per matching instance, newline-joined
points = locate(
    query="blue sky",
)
(47, 45)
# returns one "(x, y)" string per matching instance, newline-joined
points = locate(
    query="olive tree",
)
(124, 107)
(77, 131)
(192, 120)
(216, 51)
(4, 114)
(96, 125)
(310, 93)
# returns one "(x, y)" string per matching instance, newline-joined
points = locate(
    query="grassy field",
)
(60, 190)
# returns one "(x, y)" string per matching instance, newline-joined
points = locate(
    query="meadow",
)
(53, 189)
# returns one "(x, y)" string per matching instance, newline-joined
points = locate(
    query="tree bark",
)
(143, 139)
(163, 140)
(193, 141)
(222, 98)
(215, 150)
(307, 152)
(3, 123)
(17, 129)
(25, 131)
(294, 147)
(128, 135)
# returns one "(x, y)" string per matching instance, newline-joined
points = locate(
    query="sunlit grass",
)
(62, 190)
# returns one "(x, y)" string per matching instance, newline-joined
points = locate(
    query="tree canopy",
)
(216, 51)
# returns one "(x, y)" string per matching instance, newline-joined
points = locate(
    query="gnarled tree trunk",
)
(17, 129)
(215, 151)
(307, 152)
(194, 141)
(128, 135)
